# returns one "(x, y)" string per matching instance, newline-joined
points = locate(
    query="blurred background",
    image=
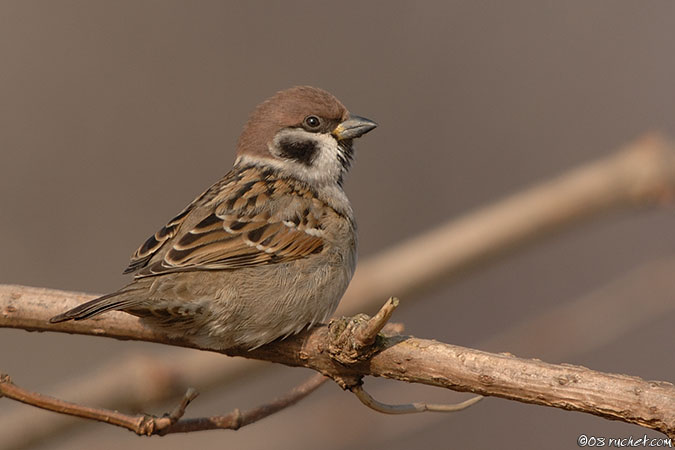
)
(114, 115)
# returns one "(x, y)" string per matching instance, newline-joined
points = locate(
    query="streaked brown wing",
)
(221, 244)
(146, 251)
(241, 228)
(154, 244)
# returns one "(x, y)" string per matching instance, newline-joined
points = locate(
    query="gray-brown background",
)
(114, 115)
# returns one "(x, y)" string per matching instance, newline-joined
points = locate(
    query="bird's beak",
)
(353, 127)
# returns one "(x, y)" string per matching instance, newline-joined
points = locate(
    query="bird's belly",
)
(216, 309)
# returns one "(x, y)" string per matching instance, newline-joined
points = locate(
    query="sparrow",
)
(265, 252)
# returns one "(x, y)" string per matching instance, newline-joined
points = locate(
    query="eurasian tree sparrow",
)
(266, 251)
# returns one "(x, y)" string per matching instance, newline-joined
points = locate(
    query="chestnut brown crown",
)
(288, 108)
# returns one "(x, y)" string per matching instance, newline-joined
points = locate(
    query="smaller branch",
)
(410, 408)
(135, 381)
(146, 425)
(140, 424)
(179, 410)
(353, 338)
(366, 335)
(236, 419)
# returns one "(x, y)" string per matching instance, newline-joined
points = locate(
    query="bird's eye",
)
(312, 122)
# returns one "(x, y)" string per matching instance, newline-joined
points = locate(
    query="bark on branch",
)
(334, 352)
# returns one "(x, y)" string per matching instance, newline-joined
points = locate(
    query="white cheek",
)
(327, 161)
(325, 167)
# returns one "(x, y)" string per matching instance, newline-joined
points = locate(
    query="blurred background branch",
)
(640, 174)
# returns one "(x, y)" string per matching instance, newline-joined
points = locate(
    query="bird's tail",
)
(114, 301)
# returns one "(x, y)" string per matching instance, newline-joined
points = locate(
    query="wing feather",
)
(249, 218)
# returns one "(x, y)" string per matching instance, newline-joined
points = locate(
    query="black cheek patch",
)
(300, 151)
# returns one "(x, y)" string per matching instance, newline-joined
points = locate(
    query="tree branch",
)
(620, 397)
(146, 425)
(410, 408)
(562, 332)
(237, 419)
(130, 382)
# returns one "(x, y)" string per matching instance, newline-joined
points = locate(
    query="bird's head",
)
(304, 132)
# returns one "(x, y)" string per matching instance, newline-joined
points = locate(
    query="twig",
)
(353, 337)
(131, 382)
(146, 425)
(410, 408)
(140, 424)
(619, 397)
(237, 419)
(366, 335)
(179, 410)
